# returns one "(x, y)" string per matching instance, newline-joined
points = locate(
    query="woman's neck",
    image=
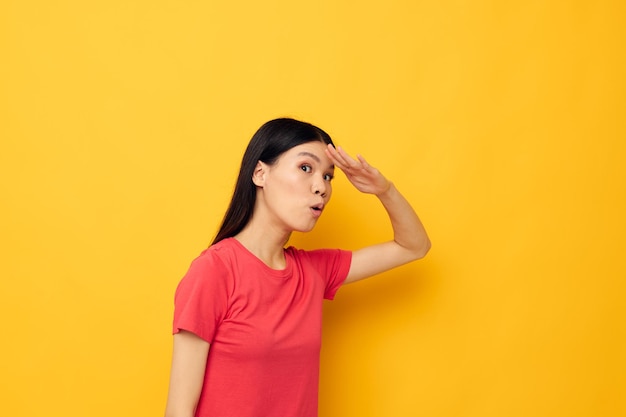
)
(265, 243)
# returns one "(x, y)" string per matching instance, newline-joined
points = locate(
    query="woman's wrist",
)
(387, 192)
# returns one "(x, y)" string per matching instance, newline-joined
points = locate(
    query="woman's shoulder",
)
(217, 255)
(213, 265)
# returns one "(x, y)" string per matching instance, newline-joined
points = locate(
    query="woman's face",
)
(294, 191)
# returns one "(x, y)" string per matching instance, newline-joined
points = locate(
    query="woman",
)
(247, 321)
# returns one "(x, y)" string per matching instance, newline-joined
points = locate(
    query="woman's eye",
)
(306, 168)
(328, 177)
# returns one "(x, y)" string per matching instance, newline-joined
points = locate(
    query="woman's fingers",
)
(359, 172)
(363, 162)
(337, 158)
(344, 161)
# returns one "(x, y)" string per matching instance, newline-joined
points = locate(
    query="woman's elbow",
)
(423, 249)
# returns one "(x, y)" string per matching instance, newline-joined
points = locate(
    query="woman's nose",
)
(319, 187)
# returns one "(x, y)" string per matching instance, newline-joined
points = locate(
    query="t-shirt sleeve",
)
(201, 299)
(334, 265)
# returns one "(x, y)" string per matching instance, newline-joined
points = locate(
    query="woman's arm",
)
(410, 241)
(188, 364)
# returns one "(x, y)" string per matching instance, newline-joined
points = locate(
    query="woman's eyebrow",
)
(312, 155)
(315, 157)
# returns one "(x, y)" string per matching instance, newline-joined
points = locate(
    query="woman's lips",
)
(317, 210)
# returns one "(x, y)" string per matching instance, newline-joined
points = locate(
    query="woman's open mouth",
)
(317, 210)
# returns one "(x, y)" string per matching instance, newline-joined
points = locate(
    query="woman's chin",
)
(305, 228)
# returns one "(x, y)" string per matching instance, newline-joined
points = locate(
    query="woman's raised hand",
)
(362, 175)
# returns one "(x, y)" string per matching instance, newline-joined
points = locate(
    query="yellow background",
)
(122, 126)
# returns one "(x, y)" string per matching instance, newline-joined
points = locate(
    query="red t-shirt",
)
(264, 327)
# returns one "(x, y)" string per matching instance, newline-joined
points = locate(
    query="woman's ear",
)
(258, 175)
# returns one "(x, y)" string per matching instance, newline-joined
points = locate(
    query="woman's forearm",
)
(408, 230)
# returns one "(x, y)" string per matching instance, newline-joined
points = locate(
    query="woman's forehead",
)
(315, 150)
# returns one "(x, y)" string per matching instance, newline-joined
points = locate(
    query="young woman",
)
(247, 320)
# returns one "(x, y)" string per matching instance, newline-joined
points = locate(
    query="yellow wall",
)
(122, 124)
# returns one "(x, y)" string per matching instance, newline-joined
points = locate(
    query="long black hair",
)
(268, 143)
